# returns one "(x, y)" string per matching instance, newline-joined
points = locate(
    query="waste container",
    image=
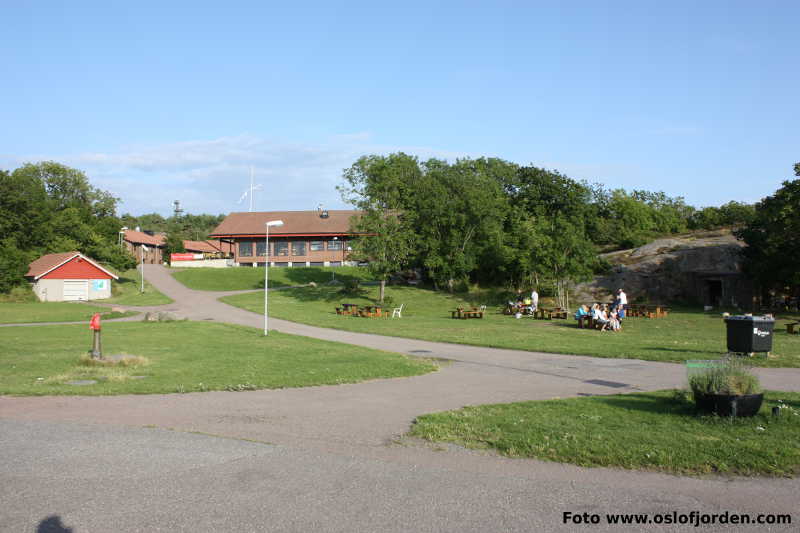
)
(747, 334)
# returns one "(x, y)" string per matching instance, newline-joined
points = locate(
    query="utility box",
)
(749, 334)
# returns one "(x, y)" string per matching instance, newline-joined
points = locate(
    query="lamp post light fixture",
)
(270, 224)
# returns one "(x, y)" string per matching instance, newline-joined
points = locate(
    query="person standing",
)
(622, 299)
(534, 300)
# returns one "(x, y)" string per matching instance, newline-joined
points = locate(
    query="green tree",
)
(549, 225)
(49, 207)
(772, 254)
(384, 242)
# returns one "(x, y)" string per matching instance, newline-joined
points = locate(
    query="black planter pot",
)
(729, 404)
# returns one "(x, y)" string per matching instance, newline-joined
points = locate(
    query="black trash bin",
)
(747, 334)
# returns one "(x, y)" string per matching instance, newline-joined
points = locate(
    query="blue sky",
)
(159, 101)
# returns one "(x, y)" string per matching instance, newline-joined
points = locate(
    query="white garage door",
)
(76, 289)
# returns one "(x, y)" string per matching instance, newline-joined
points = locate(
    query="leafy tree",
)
(551, 215)
(456, 212)
(772, 254)
(384, 241)
(49, 207)
(13, 265)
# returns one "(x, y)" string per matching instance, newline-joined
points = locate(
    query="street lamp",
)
(122, 236)
(333, 272)
(273, 224)
(143, 250)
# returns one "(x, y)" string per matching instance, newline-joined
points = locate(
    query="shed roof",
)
(294, 223)
(48, 263)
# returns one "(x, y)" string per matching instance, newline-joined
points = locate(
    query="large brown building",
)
(307, 238)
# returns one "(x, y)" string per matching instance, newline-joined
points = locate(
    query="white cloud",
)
(209, 176)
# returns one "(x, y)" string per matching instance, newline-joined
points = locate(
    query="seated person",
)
(582, 314)
(613, 321)
(600, 317)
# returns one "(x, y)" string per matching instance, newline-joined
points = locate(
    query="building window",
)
(281, 264)
(281, 248)
(299, 248)
(261, 248)
(335, 263)
(316, 263)
(246, 249)
(334, 245)
(317, 246)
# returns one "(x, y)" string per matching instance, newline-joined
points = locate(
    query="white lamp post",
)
(143, 250)
(274, 224)
(333, 272)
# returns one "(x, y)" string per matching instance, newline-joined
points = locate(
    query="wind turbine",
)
(249, 191)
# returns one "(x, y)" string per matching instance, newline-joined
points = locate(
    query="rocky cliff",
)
(701, 268)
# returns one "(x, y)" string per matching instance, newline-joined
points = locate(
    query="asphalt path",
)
(334, 458)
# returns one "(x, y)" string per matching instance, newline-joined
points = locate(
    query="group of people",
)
(608, 317)
(524, 304)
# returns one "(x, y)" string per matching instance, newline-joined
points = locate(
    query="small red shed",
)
(69, 276)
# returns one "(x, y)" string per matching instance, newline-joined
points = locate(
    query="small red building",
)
(69, 276)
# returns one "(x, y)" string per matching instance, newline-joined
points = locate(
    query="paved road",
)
(332, 458)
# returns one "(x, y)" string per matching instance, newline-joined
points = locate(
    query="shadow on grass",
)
(682, 350)
(324, 294)
(650, 403)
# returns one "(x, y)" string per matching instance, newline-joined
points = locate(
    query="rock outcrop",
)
(700, 268)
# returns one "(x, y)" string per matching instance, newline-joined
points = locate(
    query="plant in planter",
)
(727, 388)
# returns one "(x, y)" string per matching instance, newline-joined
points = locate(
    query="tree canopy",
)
(48, 207)
(772, 254)
(497, 222)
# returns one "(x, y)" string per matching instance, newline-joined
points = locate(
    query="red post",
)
(94, 325)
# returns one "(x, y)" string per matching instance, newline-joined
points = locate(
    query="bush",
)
(19, 295)
(13, 265)
(731, 377)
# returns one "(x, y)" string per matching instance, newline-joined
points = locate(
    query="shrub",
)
(731, 376)
(19, 295)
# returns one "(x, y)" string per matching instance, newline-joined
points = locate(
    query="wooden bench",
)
(465, 314)
(791, 328)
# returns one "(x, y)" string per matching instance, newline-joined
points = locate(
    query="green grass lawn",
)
(243, 278)
(185, 357)
(650, 431)
(126, 291)
(682, 335)
(21, 313)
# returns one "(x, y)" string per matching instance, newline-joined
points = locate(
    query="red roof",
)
(48, 263)
(294, 223)
(140, 237)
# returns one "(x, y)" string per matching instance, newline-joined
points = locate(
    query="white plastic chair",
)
(398, 311)
(483, 309)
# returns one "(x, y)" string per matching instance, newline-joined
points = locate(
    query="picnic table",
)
(549, 313)
(371, 311)
(347, 309)
(646, 310)
(466, 313)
